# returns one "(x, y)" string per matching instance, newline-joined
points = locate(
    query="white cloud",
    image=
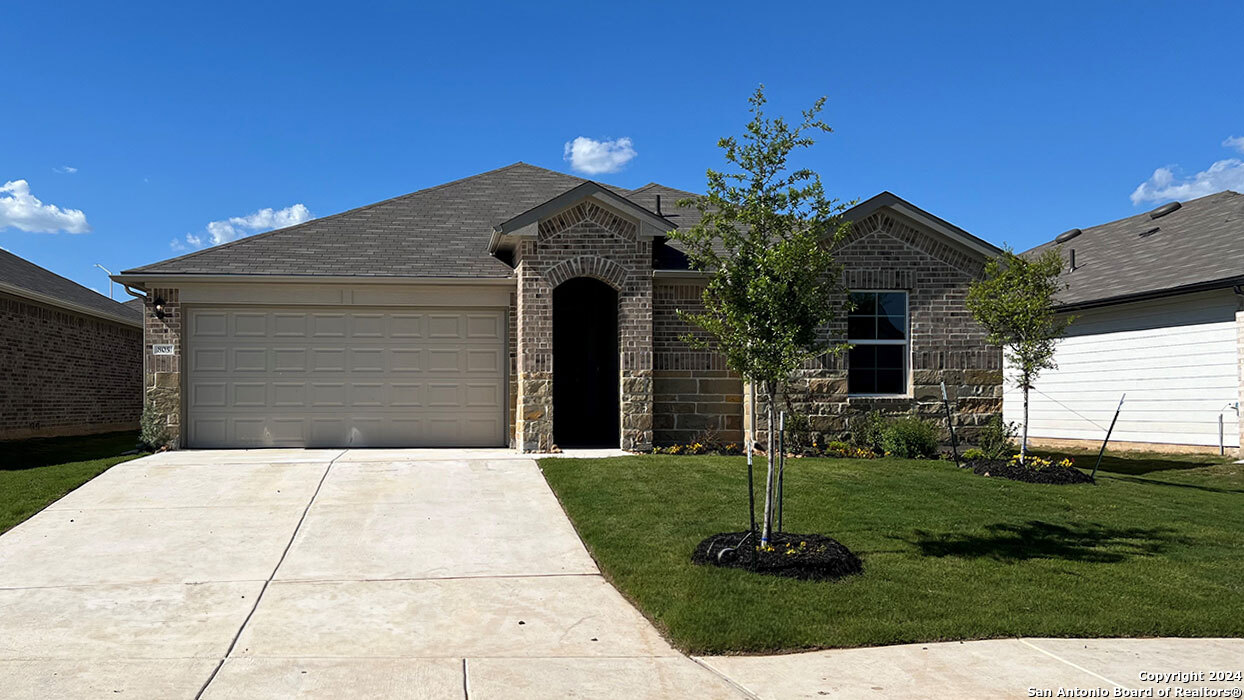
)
(1165, 184)
(593, 157)
(233, 228)
(65, 170)
(22, 210)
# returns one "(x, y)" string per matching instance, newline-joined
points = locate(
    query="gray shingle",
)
(26, 275)
(1200, 243)
(441, 231)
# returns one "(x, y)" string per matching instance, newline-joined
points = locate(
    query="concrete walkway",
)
(321, 573)
(417, 573)
(1000, 668)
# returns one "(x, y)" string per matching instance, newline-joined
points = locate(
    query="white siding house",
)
(1176, 358)
(1158, 301)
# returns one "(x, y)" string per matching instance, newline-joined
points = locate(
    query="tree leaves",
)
(766, 233)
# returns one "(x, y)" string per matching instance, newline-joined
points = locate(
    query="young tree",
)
(765, 235)
(1014, 301)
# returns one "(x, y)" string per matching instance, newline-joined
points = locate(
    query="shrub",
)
(910, 438)
(798, 438)
(973, 454)
(154, 433)
(995, 438)
(866, 431)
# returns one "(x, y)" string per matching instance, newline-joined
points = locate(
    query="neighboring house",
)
(70, 358)
(1156, 301)
(530, 308)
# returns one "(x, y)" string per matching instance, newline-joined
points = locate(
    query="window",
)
(877, 332)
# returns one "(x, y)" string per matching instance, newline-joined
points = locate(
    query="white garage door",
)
(321, 377)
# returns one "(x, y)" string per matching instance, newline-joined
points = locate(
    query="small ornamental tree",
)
(1014, 301)
(765, 235)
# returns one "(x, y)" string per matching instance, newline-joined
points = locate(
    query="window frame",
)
(906, 341)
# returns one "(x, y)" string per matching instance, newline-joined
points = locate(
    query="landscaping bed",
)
(1043, 472)
(809, 557)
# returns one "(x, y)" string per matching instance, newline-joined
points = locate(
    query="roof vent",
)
(1150, 232)
(1164, 210)
(1067, 235)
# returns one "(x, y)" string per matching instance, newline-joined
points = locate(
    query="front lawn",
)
(1155, 548)
(34, 473)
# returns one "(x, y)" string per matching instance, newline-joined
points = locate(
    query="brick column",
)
(162, 380)
(533, 422)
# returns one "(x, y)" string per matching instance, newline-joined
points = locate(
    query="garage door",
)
(294, 377)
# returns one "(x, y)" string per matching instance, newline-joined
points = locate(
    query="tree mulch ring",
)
(812, 557)
(1053, 474)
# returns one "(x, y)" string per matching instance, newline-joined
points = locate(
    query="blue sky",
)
(147, 123)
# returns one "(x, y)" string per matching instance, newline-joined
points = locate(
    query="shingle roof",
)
(19, 276)
(441, 231)
(1201, 243)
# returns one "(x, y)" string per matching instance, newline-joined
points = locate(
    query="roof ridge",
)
(365, 207)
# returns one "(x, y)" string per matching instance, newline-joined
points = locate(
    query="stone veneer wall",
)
(694, 395)
(882, 252)
(585, 240)
(946, 344)
(162, 383)
(66, 373)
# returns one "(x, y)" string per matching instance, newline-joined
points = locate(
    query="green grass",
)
(1155, 548)
(34, 473)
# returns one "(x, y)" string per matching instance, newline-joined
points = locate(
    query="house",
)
(529, 308)
(70, 358)
(1156, 300)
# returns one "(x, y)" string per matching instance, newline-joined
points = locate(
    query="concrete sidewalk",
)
(1001, 668)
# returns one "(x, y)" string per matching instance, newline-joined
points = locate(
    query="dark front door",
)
(585, 364)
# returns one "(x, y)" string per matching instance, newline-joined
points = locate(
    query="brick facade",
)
(585, 240)
(695, 396)
(162, 383)
(66, 373)
(946, 344)
(882, 252)
(670, 392)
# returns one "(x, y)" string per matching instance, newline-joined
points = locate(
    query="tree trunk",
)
(1023, 443)
(767, 532)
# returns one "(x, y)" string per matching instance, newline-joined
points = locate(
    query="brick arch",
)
(603, 269)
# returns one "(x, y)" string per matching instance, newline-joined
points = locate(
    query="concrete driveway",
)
(321, 573)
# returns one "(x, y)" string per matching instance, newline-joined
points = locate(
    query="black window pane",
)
(892, 303)
(891, 328)
(862, 328)
(862, 357)
(863, 303)
(862, 381)
(890, 381)
(890, 356)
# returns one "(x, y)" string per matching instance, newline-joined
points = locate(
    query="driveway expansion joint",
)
(264, 588)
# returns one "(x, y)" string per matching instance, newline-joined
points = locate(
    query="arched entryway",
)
(585, 364)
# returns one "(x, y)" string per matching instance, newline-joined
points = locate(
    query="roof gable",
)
(952, 234)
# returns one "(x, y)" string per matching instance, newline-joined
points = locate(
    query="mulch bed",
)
(816, 557)
(1053, 474)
